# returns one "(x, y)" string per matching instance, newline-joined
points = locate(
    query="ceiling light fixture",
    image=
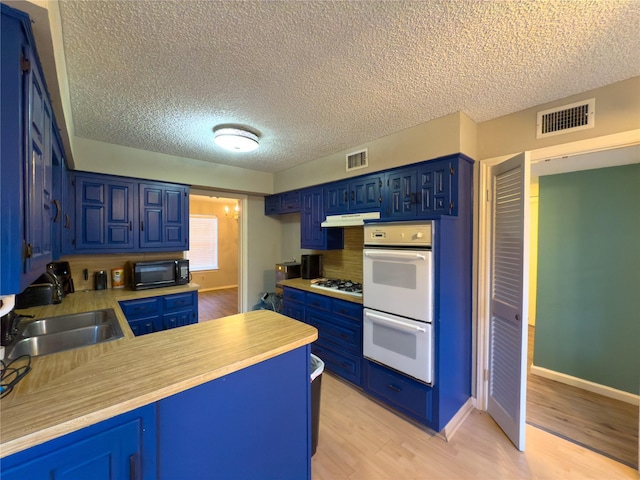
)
(235, 139)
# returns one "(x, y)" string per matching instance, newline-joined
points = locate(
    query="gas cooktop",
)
(346, 287)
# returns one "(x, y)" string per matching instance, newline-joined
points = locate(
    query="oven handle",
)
(394, 323)
(402, 256)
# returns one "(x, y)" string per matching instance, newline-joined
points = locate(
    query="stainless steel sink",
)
(57, 334)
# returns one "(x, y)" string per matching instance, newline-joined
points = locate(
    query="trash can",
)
(317, 367)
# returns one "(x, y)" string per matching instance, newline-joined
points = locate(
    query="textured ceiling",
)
(317, 77)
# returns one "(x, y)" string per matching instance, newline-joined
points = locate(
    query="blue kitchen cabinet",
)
(154, 314)
(104, 213)
(336, 198)
(425, 190)
(339, 325)
(401, 195)
(357, 195)
(164, 216)
(281, 203)
(366, 194)
(254, 423)
(120, 214)
(179, 309)
(312, 234)
(26, 159)
(59, 185)
(118, 448)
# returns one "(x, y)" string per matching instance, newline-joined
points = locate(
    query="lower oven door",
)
(397, 342)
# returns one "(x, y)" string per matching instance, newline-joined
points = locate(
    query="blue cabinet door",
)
(400, 197)
(434, 188)
(164, 216)
(312, 235)
(59, 186)
(118, 448)
(39, 175)
(336, 198)
(366, 194)
(104, 213)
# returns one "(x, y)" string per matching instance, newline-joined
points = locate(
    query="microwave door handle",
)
(401, 256)
(391, 322)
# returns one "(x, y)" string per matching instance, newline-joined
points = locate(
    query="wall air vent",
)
(565, 119)
(356, 160)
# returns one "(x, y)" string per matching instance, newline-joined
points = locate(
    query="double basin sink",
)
(56, 334)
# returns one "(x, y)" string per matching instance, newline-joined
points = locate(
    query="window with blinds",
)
(203, 242)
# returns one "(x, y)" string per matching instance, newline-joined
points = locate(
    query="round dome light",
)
(235, 140)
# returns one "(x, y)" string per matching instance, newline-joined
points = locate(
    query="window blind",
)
(203, 242)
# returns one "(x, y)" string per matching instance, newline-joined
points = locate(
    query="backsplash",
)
(96, 262)
(346, 263)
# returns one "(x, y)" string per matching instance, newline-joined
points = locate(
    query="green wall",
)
(588, 306)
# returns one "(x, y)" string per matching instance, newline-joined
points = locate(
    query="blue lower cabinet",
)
(148, 315)
(123, 447)
(346, 365)
(408, 396)
(254, 423)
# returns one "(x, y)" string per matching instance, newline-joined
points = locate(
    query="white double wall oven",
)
(398, 297)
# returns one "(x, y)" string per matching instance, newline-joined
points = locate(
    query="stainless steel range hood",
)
(349, 219)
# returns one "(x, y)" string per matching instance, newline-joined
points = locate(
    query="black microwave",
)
(159, 273)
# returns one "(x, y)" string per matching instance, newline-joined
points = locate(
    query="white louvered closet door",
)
(508, 306)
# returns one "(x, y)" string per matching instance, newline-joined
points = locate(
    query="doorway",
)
(585, 345)
(215, 252)
(483, 227)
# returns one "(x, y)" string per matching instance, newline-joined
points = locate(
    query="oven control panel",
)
(399, 234)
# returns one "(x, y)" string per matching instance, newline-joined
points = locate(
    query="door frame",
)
(482, 239)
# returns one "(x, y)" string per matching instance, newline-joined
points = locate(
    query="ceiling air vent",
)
(568, 118)
(356, 160)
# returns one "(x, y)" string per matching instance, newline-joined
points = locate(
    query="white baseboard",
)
(586, 385)
(456, 422)
(211, 289)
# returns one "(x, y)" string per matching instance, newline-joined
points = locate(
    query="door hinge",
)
(28, 251)
(25, 64)
(487, 374)
(452, 170)
(451, 205)
(488, 195)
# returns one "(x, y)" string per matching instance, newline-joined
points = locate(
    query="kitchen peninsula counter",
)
(302, 284)
(70, 390)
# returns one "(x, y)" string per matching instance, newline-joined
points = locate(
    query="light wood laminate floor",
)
(217, 303)
(595, 421)
(361, 439)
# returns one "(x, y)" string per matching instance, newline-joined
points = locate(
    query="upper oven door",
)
(399, 282)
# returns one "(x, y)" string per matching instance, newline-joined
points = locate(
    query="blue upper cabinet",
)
(26, 179)
(119, 214)
(312, 235)
(358, 195)
(400, 196)
(164, 216)
(288, 202)
(422, 191)
(104, 213)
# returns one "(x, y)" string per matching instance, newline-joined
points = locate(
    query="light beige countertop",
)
(305, 285)
(70, 390)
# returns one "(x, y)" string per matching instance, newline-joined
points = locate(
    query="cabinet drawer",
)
(143, 326)
(343, 364)
(321, 302)
(347, 309)
(342, 333)
(293, 295)
(408, 395)
(143, 307)
(178, 319)
(179, 300)
(293, 310)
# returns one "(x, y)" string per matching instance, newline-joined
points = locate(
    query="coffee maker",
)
(63, 272)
